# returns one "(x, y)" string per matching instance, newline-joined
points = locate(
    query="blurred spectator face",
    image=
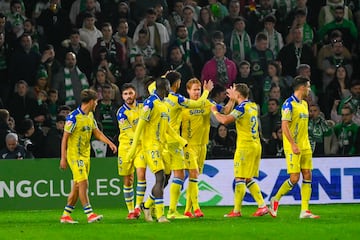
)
(140, 72)
(279, 134)
(26, 42)
(123, 29)
(194, 91)
(222, 131)
(266, 4)
(89, 22)
(41, 82)
(314, 112)
(123, 9)
(28, 27)
(182, 33)
(205, 15)
(70, 60)
(16, 8)
(178, 7)
(272, 70)
(139, 59)
(64, 112)
(355, 91)
(188, 15)
(219, 51)
(107, 32)
(100, 77)
(346, 115)
(159, 10)
(239, 26)
(143, 39)
(261, 45)
(150, 19)
(11, 123)
(341, 72)
(90, 5)
(106, 94)
(339, 15)
(301, 3)
(234, 8)
(297, 35)
(21, 89)
(305, 72)
(74, 39)
(42, 96)
(272, 107)
(176, 55)
(337, 48)
(269, 26)
(51, 54)
(244, 70)
(53, 97)
(11, 144)
(275, 92)
(300, 19)
(60, 125)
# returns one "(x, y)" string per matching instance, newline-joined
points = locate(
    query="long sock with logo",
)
(305, 194)
(240, 190)
(140, 192)
(255, 191)
(194, 193)
(88, 209)
(149, 201)
(188, 205)
(175, 190)
(284, 189)
(129, 197)
(159, 207)
(68, 210)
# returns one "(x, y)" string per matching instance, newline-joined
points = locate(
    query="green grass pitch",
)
(338, 221)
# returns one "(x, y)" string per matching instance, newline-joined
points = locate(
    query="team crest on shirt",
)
(69, 123)
(286, 110)
(145, 108)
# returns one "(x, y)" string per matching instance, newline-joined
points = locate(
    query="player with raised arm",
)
(75, 152)
(196, 129)
(128, 117)
(176, 102)
(248, 149)
(297, 148)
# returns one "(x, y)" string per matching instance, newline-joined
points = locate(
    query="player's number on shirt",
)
(253, 121)
(80, 163)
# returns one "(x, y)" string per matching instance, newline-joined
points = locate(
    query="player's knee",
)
(294, 178)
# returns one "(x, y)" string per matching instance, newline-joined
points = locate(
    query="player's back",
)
(156, 114)
(296, 112)
(80, 126)
(127, 118)
(174, 102)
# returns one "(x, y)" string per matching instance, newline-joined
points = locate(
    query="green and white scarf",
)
(185, 52)
(222, 74)
(69, 92)
(308, 34)
(239, 47)
(273, 41)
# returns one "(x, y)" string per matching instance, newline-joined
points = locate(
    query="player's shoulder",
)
(122, 111)
(149, 102)
(74, 114)
(288, 103)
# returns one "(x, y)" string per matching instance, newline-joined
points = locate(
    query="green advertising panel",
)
(40, 184)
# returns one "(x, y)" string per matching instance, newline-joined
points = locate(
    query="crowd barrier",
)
(40, 184)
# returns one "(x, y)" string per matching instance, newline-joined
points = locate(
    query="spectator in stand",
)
(161, 19)
(295, 53)
(31, 29)
(176, 63)
(253, 83)
(206, 19)
(275, 147)
(122, 37)
(220, 69)
(270, 120)
(113, 71)
(88, 32)
(79, 6)
(346, 132)
(217, 95)
(175, 17)
(105, 116)
(142, 6)
(70, 81)
(300, 22)
(227, 23)
(4, 126)
(139, 81)
(41, 84)
(5, 85)
(123, 14)
(24, 62)
(158, 34)
(338, 89)
(218, 10)
(12, 150)
(55, 23)
(49, 63)
(328, 14)
(53, 138)
(100, 80)
(141, 46)
(53, 106)
(239, 41)
(283, 10)
(319, 130)
(16, 17)
(90, 7)
(32, 138)
(223, 144)
(64, 110)
(275, 39)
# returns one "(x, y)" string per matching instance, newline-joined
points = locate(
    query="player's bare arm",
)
(286, 131)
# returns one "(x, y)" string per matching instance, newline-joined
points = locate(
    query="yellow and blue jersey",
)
(128, 119)
(247, 124)
(80, 126)
(196, 123)
(296, 112)
(156, 114)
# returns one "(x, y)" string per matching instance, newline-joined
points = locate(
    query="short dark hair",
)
(300, 81)
(261, 36)
(274, 100)
(179, 27)
(150, 11)
(87, 95)
(127, 86)
(173, 76)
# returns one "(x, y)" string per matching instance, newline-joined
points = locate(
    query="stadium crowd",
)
(50, 50)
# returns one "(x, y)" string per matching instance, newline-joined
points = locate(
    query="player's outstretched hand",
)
(63, 164)
(231, 92)
(113, 148)
(208, 85)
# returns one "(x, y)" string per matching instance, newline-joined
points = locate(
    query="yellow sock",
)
(256, 193)
(140, 192)
(159, 207)
(188, 205)
(194, 193)
(149, 201)
(240, 190)
(129, 197)
(285, 188)
(305, 194)
(68, 210)
(175, 190)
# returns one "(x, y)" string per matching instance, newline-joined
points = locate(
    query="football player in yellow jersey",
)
(176, 102)
(294, 125)
(248, 149)
(153, 128)
(75, 152)
(196, 129)
(128, 117)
